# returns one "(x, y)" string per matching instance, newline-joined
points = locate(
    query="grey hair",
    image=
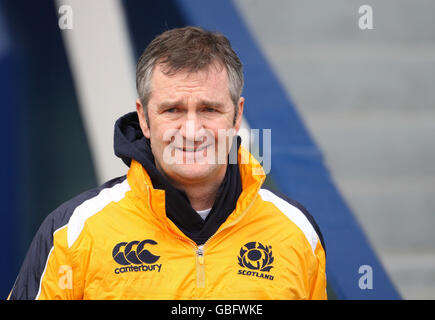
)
(188, 49)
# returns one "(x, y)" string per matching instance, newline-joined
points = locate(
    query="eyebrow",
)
(211, 104)
(202, 103)
(169, 104)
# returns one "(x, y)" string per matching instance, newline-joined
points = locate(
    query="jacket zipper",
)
(200, 249)
(200, 262)
(199, 254)
(200, 267)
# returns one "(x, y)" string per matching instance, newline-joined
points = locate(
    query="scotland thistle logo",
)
(256, 256)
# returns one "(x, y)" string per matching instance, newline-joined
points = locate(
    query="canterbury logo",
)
(134, 252)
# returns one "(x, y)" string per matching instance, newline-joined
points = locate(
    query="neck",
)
(201, 197)
(201, 194)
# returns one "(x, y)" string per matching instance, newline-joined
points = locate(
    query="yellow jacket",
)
(116, 242)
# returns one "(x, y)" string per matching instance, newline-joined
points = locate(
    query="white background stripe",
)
(102, 64)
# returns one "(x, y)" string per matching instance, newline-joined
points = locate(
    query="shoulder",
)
(75, 211)
(296, 213)
(87, 204)
(67, 217)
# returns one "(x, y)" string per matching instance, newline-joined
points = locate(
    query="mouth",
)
(192, 150)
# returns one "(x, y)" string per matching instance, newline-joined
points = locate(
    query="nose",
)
(193, 134)
(191, 128)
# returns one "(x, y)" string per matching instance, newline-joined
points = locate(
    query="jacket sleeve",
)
(47, 271)
(318, 275)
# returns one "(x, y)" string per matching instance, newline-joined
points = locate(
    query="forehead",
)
(212, 81)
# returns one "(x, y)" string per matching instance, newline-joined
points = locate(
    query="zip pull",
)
(200, 254)
(200, 267)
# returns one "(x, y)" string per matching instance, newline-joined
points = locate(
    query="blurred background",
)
(352, 114)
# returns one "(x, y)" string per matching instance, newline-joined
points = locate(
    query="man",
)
(185, 222)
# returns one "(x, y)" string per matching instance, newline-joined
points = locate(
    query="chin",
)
(194, 171)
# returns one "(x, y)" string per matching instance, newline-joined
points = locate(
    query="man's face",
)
(189, 115)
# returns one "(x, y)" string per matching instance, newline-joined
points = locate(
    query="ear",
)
(142, 119)
(239, 117)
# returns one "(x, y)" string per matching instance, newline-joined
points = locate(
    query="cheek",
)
(223, 137)
(155, 139)
(161, 137)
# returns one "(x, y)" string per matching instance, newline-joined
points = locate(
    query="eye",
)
(172, 110)
(209, 109)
